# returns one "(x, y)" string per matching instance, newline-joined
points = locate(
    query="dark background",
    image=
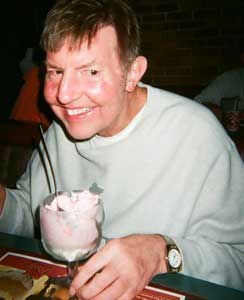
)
(190, 42)
(20, 26)
(187, 42)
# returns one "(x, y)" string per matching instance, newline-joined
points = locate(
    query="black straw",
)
(48, 158)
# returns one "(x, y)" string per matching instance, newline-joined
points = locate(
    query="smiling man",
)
(172, 178)
(89, 89)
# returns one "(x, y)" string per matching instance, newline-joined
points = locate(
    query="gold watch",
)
(174, 258)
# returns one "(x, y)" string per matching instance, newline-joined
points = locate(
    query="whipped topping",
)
(82, 202)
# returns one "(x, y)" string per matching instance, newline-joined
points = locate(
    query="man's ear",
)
(135, 73)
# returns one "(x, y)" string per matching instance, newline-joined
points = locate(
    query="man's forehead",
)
(105, 34)
(103, 46)
(105, 40)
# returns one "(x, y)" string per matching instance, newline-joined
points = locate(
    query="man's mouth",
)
(78, 111)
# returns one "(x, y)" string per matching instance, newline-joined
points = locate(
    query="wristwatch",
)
(174, 257)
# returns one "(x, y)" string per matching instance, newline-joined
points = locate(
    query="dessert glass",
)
(71, 236)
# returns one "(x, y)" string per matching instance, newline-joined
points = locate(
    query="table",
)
(194, 288)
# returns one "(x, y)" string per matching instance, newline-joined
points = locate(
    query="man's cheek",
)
(49, 94)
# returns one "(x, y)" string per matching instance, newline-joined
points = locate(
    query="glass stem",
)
(72, 268)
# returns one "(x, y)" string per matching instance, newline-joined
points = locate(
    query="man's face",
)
(86, 86)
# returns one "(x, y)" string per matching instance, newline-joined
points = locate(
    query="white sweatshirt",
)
(172, 171)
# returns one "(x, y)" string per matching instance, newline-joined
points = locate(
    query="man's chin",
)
(80, 135)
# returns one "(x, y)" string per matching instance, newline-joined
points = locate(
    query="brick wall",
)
(189, 42)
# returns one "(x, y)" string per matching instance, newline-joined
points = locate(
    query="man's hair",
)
(77, 20)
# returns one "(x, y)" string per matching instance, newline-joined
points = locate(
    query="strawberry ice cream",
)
(70, 224)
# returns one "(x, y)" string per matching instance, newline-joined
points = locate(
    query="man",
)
(230, 84)
(172, 179)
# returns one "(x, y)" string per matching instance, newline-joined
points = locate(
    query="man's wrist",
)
(173, 257)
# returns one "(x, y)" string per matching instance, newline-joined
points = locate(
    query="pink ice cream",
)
(70, 225)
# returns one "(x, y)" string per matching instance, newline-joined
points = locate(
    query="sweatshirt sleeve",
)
(21, 205)
(213, 246)
(16, 217)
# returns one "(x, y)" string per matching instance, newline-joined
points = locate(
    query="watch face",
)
(174, 258)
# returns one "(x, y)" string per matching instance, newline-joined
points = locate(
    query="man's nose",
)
(68, 89)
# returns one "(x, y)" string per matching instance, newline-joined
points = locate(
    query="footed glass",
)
(71, 230)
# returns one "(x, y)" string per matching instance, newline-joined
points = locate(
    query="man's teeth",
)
(78, 111)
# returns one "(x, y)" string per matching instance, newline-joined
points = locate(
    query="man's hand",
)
(121, 269)
(2, 198)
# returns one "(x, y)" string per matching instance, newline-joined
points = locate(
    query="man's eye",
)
(51, 73)
(92, 72)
